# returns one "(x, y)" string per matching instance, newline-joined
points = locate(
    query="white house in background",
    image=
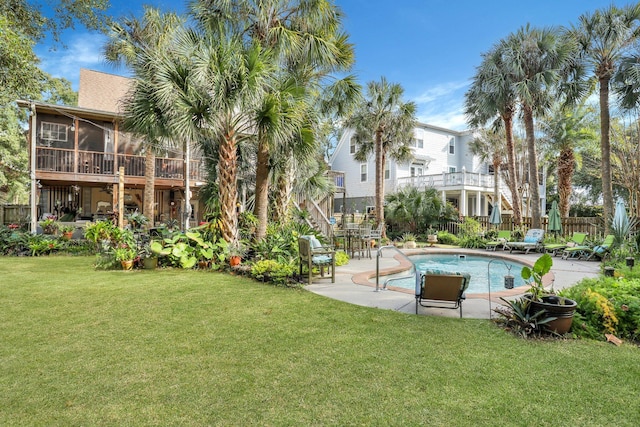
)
(442, 159)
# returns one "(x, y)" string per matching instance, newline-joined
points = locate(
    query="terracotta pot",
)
(234, 260)
(563, 313)
(150, 263)
(127, 265)
(67, 235)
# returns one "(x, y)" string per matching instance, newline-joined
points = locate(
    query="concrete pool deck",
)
(355, 282)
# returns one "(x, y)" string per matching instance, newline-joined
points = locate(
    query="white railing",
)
(451, 179)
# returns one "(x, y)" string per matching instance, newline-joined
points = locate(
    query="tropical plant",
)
(565, 131)
(535, 274)
(383, 125)
(519, 319)
(492, 98)
(124, 253)
(278, 272)
(419, 209)
(537, 60)
(604, 38)
(50, 225)
(144, 116)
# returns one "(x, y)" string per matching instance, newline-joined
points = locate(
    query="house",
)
(76, 154)
(442, 159)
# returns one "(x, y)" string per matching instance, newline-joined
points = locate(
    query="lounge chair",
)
(557, 248)
(600, 251)
(532, 241)
(313, 254)
(441, 289)
(503, 237)
(585, 251)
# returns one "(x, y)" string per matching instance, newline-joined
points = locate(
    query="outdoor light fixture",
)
(630, 262)
(509, 281)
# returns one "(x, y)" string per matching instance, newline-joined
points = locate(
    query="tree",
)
(604, 38)
(492, 98)
(489, 146)
(384, 125)
(565, 130)
(537, 60)
(307, 45)
(130, 41)
(420, 209)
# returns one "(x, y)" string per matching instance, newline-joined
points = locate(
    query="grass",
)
(85, 347)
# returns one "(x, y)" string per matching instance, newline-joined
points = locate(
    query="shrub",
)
(446, 238)
(276, 272)
(341, 258)
(606, 305)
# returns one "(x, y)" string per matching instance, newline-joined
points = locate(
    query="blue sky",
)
(430, 47)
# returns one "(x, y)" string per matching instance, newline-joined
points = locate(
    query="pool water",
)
(475, 265)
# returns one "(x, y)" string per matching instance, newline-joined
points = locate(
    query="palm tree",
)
(564, 132)
(307, 43)
(491, 98)
(384, 125)
(604, 38)
(537, 58)
(489, 146)
(420, 209)
(143, 116)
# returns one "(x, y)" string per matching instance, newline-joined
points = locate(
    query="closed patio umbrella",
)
(620, 224)
(496, 217)
(555, 222)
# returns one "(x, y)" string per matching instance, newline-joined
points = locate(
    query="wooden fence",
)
(594, 226)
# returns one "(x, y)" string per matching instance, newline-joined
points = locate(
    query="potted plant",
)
(540, 300)
(409, 240)
(236, 252)
(50, 225)
(126, 255)
(148, 257)
(67, 231)
(432, 236)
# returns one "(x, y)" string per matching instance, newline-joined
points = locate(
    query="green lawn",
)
(84, 347)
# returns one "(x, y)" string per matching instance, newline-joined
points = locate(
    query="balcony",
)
(91, 164)
(452, 181)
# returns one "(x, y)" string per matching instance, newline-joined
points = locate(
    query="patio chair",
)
(313, 254)
(441, 289)
(532, 241)
(557, 248)
(600, 251)
(503, 237)
(584, 251)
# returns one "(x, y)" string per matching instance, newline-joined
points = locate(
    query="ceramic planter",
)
(552, 306)
(150, 263)
(234, 260)
(127, 264)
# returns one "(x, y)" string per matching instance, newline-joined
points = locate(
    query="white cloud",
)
(442, 105)
(84, 50)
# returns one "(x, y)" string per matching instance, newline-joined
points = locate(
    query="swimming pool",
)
(475, 265)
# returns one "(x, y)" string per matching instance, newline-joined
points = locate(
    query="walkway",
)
(355, 283)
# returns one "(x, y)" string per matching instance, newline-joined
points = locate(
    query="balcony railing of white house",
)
(98, 163)
(450, 179)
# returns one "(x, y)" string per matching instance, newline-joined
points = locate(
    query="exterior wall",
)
(101, 91)
(433, 156)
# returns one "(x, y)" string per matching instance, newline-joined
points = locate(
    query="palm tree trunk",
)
(496, 181)
(566, 166)
(534, 184)
(261, 207)
(511, 167)
(149, 186)
(282, 203)
(227, 174)
(605, 149)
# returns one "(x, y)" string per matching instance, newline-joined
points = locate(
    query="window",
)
(418, 143)
(417, 170)
(53, 131)
(352, 146)
(452, 145)
(387, 173)
(363, 172)
(452, 169)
